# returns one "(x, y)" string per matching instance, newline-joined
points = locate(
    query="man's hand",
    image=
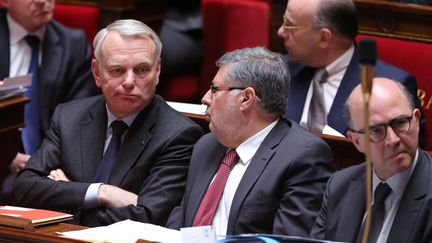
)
(19, 162)
(114, 197)
(58, 175)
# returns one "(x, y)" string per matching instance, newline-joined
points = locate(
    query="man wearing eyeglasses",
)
(319, 36)
(274, 171)
(398, 165)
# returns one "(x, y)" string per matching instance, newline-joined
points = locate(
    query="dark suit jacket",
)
(343, 207)
(302, 76)
(152, 162)
(280, 191)
(65, 73)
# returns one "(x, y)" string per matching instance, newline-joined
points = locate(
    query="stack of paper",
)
(11, 87)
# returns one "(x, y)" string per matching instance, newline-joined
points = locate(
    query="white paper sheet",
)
(198, 109)
(126, 231)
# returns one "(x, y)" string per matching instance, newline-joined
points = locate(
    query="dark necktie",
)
(378, 214)
(378, 211)
(317, 117)
(31, 133)
(210, 202)
(104, 170)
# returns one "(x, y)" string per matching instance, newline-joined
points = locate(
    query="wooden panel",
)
(397, 20)
(12, 118)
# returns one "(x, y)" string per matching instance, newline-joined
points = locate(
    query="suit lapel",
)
(209, 165)
(49, 73)
(301, 78)
(351, 78)
(412, 202)
(135, 141)
(352, 211)
(4, 48)
(92, 134)
(257, 165)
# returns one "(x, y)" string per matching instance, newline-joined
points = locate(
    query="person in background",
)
(278, 170)
(61, 70)
(319, 36)
(122, 155)
(181, 36)
(401, 173)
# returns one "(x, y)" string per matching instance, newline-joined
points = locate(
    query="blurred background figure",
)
(181, 37)
(59, 59)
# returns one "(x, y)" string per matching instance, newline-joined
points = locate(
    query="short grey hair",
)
(405, 92)
(126, 27)
(264, 71)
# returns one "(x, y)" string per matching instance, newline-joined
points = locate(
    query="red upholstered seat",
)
(416, 58)
(83, 17)
(227, 25)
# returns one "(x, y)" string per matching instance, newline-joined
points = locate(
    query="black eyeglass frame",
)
(214, 89)
(392, 123)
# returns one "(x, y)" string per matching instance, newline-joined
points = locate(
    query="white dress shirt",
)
(246, 151)
(20, 51)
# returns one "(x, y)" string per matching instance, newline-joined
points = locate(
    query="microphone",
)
(367, 58)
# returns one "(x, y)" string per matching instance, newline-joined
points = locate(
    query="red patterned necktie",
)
(210, 202)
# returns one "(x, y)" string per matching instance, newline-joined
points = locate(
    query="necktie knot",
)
(230, 158)
(118, 128)
(32, 41)
(381, 192)
(321, 76)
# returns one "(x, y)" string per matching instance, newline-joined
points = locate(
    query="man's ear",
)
(96, 72)
(356, 141)
(324, 37)
(247, 98)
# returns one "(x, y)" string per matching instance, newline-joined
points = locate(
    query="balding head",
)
(393, 124)
(383, 89)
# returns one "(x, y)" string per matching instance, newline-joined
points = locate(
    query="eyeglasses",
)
(288, 26)
(215, 89)
(379, 132)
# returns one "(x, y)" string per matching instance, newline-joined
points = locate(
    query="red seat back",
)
(229, 25)
(416, 58)
(83, 17)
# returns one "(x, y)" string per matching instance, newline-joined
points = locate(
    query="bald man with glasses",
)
(399, 166)
(322, 56)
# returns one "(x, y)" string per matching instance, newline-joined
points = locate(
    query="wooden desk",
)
(45, 233)
(344, 151)
(12, 118)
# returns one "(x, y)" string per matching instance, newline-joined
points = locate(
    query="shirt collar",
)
(128, 120)
(248, 148)
(341, 63)
(399, 181)
(17, 32)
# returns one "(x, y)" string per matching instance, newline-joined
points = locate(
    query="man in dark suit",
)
(322, 35)
(397, 162)
(147, 173)
(64, 61)
(278, 179)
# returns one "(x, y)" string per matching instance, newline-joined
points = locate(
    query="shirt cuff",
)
(91, 199)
